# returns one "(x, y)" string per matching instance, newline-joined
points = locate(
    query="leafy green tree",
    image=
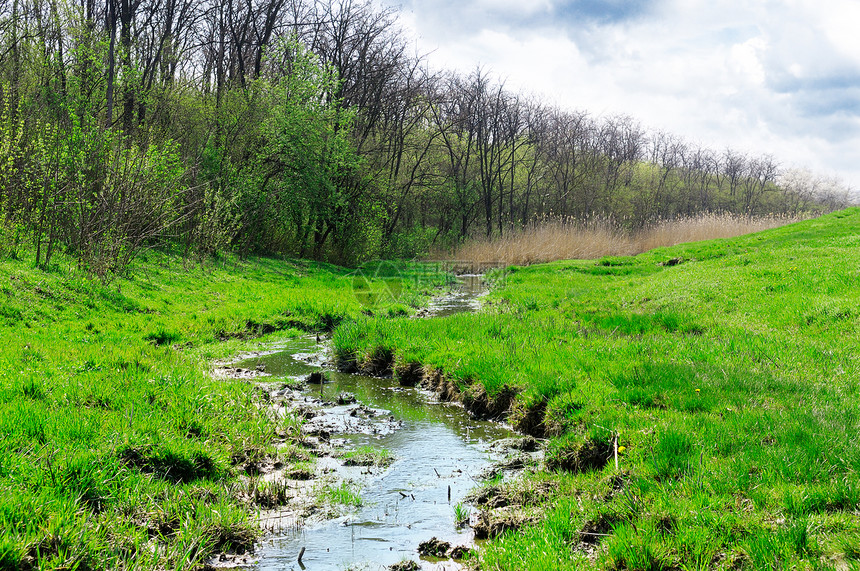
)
(307, 167)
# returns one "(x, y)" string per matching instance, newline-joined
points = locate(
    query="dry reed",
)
(563, 239)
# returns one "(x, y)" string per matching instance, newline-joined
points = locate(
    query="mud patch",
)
(398, 504)
(229, 561)
(378, 363)
(529, 418)
(409, 374)
(315, 378)
(485, 406)
(576, 454)
(512, 463)
(227, 372)
(433, 548)
(460, 552)
(332, 418)
(475, 399)
(436, 548)
(519, 492)
(441, 386)
(368, 457)
(524, 444)
(493, 523)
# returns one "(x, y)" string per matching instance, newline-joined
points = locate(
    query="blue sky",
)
(763, 77)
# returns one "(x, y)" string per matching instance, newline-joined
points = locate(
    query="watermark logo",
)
(383, 283)
(379, 283)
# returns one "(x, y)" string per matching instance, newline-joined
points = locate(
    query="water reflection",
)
(439, 451)
(465, 297)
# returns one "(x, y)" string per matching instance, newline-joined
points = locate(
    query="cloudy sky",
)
(766, 77)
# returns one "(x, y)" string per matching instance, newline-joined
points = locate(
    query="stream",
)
(464, 298)
(438, 451)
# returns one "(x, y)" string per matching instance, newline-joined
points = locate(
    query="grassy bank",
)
(725, 373)
(118, 450)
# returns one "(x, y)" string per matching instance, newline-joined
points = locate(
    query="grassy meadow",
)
(118, 449)
(725, 373)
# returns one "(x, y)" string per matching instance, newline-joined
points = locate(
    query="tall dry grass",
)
(565, 239)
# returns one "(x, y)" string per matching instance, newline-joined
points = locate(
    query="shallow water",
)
(464, 298)
(439, 452)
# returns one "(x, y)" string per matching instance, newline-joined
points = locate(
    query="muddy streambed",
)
(464, 298)
(439, 455)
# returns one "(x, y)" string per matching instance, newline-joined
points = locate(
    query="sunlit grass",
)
(727, 369)
(118, 449)
(344, 494)
(368, 456)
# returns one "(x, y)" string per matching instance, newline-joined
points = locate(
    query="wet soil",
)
(438, 451)
(439, 454)
(464, 298)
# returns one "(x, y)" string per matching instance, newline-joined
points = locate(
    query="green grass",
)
(118, 450)
(368, 456)
(732, 379)
(461, 514)
(344, 494)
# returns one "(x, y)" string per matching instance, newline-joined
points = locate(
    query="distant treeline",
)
(310, 128)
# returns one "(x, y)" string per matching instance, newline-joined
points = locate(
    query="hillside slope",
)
(725, 373)
(118, 450)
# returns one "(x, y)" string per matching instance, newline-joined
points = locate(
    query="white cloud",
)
(747, 60)
(777, 77)
(523, 7)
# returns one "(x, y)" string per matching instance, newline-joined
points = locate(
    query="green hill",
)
(118, 450)
(727, 371)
